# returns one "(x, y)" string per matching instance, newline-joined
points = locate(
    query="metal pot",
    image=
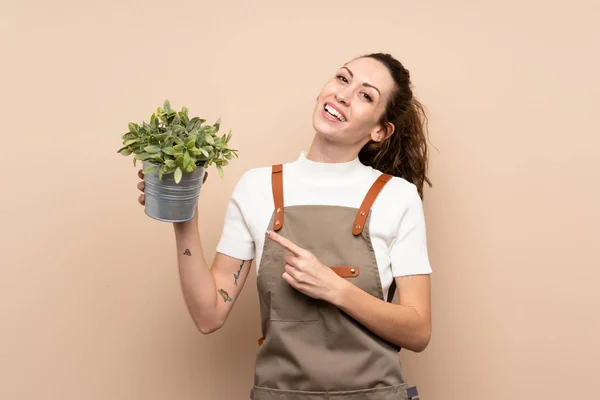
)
(169, 201)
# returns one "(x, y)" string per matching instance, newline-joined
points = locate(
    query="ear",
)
(382, 132)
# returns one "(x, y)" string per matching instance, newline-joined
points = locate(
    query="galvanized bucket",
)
(169, 201)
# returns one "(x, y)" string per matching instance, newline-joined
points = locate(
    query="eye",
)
(342, 78)
(367, 97)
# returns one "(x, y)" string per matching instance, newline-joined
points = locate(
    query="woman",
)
(334, 234)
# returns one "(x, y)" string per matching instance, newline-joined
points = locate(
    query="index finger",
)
(284, 242)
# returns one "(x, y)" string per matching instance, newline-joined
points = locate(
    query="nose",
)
(342, 96)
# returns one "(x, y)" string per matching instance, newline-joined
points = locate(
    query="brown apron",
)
(310, 349)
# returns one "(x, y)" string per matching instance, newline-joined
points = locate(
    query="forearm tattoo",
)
(237, 274)
(187, 252)
(225, 295)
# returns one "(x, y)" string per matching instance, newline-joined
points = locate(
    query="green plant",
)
(173, 143)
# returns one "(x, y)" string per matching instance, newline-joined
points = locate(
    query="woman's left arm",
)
(407, 324)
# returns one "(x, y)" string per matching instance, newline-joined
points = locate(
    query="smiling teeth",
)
(334, 112)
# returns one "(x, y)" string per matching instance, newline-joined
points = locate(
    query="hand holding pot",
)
(142, 186)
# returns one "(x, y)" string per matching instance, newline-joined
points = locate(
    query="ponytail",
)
(404, 154)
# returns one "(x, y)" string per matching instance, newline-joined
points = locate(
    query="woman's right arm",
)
(209, 292)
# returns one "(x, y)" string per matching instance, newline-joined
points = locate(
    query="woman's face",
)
(351, 104)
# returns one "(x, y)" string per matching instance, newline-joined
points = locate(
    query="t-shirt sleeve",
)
(408, 251)
(236, 239)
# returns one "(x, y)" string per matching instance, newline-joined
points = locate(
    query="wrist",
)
(340, 292)
(185, 227)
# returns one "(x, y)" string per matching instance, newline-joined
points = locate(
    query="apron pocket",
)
(289, 304)
(396, 392)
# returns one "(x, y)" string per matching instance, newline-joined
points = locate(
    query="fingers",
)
(292, 260)
(288, 278)
(291, 271)
(291, 280)
(285, 243)
(141, 186)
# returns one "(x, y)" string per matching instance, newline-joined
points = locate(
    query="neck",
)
(324, 151)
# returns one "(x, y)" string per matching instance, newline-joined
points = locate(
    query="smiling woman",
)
(332, 257)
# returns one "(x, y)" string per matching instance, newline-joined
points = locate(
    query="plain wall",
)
(90, 302)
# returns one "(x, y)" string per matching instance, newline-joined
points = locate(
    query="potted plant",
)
(175, 150)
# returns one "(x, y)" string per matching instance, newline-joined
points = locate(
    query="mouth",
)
(334, 113)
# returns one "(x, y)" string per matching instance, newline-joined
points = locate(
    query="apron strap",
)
(365, 207)
(277, 185)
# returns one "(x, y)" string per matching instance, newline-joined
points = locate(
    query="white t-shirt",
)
(397, 224)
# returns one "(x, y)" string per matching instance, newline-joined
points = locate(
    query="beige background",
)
(90, 304)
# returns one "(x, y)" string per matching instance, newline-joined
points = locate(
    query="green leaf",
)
(186, 159)
(195, 151)
(210, 140)
(150, 169)
(184, 110)
(130, 142)
(170, 164)
(152, 149)
(167, 106)
(125, 151)
(191, 142)
(191, 168)
(142, 156)
(133, 127)
(169, 150)
(178, 175)
(204, 152)
(179, 147)
(184, 119)
(160, 136)
(220, 169)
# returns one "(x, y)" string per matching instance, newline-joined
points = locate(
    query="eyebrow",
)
(365, 83)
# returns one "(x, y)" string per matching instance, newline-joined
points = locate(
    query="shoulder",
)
(259, 175)
(255, 176)
(397, 192)
(398, 199)
(253, 185)
(401, 189)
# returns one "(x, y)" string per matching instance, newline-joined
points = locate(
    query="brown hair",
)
(404, 154)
